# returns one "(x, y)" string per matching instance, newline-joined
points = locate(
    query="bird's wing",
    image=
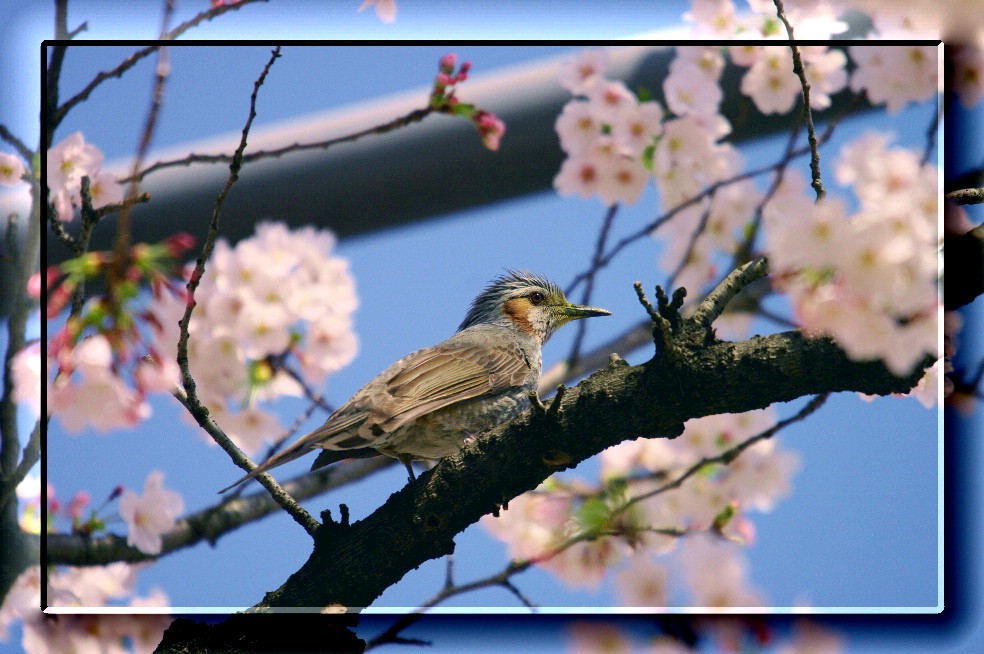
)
(455, 371)
(445, 375)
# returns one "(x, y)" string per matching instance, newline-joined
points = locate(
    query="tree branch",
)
(208, 525)
(352, 564)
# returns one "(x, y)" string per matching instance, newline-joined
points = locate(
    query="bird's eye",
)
(536, 297)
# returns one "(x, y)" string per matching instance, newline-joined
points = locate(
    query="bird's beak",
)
(575, 311)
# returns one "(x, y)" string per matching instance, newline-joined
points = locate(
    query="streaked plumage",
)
(426, 404)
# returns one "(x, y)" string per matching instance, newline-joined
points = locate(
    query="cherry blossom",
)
(598, 638)
(279, 291)
(68, 162)
(150, 515)
(584, 71)
(716, 572)
(895, 75)
(968, 75)
(811, 638)
(608, 100)
(385, 9)
(96, 396)
(26, 372)
(642, 582)
(770, 82)
(712, 18)
(11, 170)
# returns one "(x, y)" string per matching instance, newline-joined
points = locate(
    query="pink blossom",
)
(584, 71)
(745, 55)
(716, 572)
(643, 583)
(895, 75)
(249, 428)
(636, 128)
(968, 75)
(607, 100)
(98, 398)
(770, 82)
(598, 638)
(105, 190)
(689, 91)
(151, 515)
(810, 638)
(93, 585)
(385, 9)
(11, 170)
(578, 176)
(712, 18)
(490, 128)
(622, 181)
(447, 62)
(825, 71)
(68, 162)
(26, 372)
(22, 601)
(577, 127)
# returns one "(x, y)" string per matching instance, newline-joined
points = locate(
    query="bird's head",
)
(528, 302)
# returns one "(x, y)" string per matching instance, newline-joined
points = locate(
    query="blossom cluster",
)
(490, 127)
(892, 76)
(605, 132)
(279, 291)
(868, 279)
(710, 508)
(90, 586)
(68, 162)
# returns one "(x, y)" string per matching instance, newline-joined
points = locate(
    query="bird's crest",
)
(486, 307)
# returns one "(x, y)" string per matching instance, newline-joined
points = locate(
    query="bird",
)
(426, 405)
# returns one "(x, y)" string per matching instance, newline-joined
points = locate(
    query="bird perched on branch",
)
(426, 404)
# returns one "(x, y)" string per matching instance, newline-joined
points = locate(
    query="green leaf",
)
(647, 156)
(593, 515)
(722, 519)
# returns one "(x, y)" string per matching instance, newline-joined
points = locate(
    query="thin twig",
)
(117, 71)
(22, 150)
(412, 117)
(582, 325)
(800, 72)
(121, 246)
(204, 16)
(189, 395)
(209, 524)
(931, 133)
(671, 213)
(29, 456)
(728, 455)
(713, 305)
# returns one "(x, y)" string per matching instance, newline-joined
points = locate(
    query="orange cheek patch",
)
(518, 310)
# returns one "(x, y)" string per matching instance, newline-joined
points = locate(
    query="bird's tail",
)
(298, 449)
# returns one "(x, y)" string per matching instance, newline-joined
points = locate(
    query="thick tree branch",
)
(352, 564)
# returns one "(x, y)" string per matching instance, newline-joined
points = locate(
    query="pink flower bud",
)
(443, 79)
(79, 502)
(34, 285)
(490, 128)
(448, 61)
(178, 244)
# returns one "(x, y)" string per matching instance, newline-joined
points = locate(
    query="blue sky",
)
(860, 529)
